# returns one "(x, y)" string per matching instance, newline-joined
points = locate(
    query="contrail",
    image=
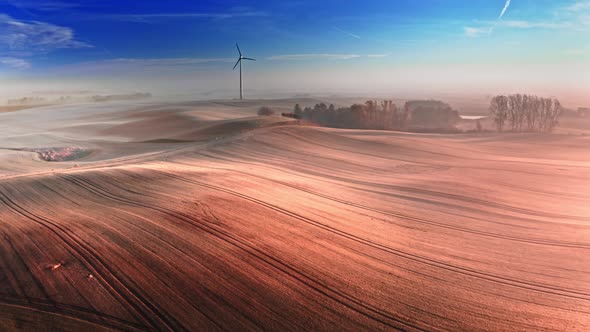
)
(505, 9)
(501, 15)
(348, 33)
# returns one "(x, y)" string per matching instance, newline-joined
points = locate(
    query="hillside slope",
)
(250, 224)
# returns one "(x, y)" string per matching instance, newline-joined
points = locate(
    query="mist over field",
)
(459, 82)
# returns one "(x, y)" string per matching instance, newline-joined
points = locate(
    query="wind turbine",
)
(239, 62)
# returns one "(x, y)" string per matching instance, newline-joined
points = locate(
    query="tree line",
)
(416, 115)
(525, 113)
(370, 115)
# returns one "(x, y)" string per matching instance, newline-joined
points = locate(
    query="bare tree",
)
(525, 113)
(556, 110)
(533, 107)
(499, 110)
(297, 111)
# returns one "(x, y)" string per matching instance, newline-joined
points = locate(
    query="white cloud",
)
(314, 57)
(579, 5)
(474, 32)
(378, 55)
(146, 18)
(41, 5)
(15, 63)
(529, 25)
(575, 16)
(37, 36)
(139, 65)
(515, 24)
(165, 61)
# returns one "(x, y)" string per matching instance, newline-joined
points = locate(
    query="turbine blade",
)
(249, 59)
(240, 59)
(238, 47)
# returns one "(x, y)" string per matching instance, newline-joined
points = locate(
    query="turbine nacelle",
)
(241, 57)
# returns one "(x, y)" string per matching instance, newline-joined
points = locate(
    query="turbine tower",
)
(239, 62)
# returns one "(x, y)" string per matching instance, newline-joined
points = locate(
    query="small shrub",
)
(266, 111)
(291, 115)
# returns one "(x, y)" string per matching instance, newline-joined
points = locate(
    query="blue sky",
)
(177, 38)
